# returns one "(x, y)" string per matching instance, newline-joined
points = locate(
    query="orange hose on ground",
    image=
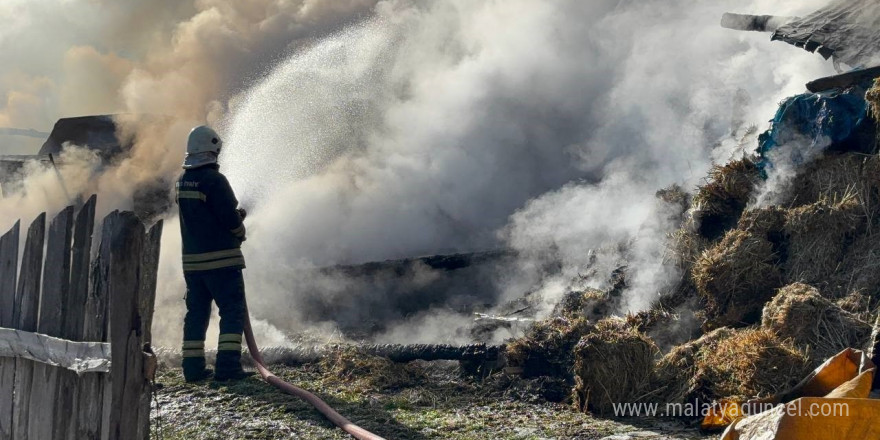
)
(325, 409)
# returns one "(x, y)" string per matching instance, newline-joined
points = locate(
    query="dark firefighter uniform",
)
(212, 230)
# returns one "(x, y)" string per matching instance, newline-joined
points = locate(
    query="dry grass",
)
(858, 275)
(547, 347)
(768, 222)
(719, 203)
(733, 181)
(367, 372)
(751, 363)
(727, 363)
(647, 320)
(820, 235)
(735, 278)
(676, 199)
(798, 312)
(873, 98)
(675, 378)
(831, 177)
(592, 304)
(686, 246)
(612, 364)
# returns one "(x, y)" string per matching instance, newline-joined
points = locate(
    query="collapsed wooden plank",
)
(79, 357)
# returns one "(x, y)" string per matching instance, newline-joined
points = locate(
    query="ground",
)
(440, 405)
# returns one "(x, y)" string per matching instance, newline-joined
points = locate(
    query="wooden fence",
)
(61, 313)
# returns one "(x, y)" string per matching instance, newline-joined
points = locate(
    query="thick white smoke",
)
(457, 126)
(422, 127)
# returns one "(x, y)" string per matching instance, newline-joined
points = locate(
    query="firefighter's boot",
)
(229, 366)
(194, 369)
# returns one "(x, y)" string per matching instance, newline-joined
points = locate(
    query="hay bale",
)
(718, 204)
(831, 176)
(647, 320)
(858, 303)
(546, 349)
(858, 274)
(813, 323)
(675, 378)
(873, 98)
(676, 199)
(592, 304)
(613, 364)
(871, 175)
(735, 278)
(819, 236)
(751, 362)
(768, 222)
(686, 246)
(727, 363)
(365, 372)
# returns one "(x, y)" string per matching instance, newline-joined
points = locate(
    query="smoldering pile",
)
(775, 288)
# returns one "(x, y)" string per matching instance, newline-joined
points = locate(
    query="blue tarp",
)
(815, 121)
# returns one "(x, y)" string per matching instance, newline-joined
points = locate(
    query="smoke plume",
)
(361, 130)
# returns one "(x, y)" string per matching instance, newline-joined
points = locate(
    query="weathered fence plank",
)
(56, 286)
(146, 302)
(126, 236)
(74, 317)
(90, 405)
(8, 275)
(150, 268)
(26, 307)
(60, 323)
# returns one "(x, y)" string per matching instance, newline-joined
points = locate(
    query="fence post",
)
(56, 286)
(27, 304)
(8, 275)
(146, 302)
(126, 237)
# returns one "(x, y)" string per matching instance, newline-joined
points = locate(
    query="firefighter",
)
(212, 230)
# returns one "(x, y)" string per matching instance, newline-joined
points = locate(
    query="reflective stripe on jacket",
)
(210, 227)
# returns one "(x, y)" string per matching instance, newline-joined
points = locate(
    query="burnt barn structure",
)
(100, 134)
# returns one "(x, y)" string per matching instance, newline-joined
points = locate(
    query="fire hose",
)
(322, 407)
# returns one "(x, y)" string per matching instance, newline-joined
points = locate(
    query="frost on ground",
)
(430, 401)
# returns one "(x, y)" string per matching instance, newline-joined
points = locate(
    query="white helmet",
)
(202, 147)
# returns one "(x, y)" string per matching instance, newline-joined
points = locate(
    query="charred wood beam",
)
(475, 358)
(757, 23)
(431, 352)
(843, 80)
(393, 352)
